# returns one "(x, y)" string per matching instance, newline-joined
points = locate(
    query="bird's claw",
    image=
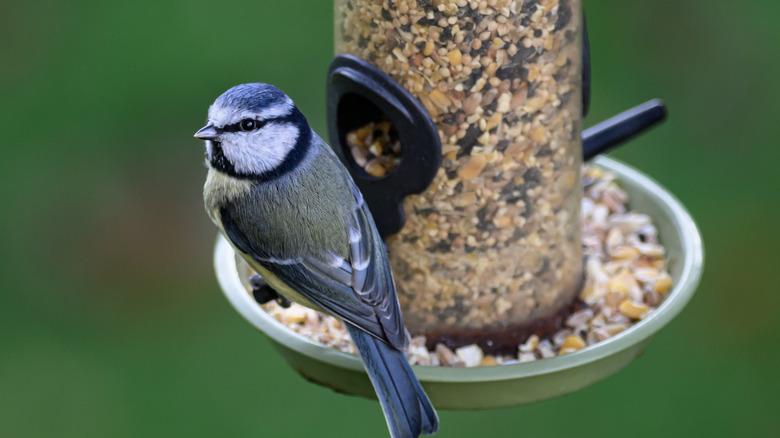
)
(263, 293)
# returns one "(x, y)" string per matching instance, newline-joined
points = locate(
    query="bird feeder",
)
(461, 123)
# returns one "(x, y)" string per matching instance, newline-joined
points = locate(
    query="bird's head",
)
(254, 130)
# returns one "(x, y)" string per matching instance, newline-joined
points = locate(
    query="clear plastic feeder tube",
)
(491, 251)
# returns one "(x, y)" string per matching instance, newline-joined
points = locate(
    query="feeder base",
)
(504, 341)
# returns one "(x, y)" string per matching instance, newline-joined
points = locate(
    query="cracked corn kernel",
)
(631, 309)
(663, 283)
(439, 99)
(488, 361)
(473, 168)
(574, 342)
(455, 57)
(530, 344)
(375, 168)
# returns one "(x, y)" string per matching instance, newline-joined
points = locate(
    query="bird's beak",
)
(208, 132)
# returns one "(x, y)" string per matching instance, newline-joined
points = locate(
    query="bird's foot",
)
(263, 293)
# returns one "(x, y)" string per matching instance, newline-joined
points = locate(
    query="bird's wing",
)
(372, 278)
(358, 289)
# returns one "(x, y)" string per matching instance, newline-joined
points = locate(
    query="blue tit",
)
(285, 202)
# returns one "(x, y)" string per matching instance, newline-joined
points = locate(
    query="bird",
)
(290, 208)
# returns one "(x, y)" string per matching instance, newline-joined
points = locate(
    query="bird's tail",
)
(407, 409)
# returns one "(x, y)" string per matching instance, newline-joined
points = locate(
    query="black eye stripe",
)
(236, 127)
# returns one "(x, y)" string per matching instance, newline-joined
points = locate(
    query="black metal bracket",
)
(621, 128)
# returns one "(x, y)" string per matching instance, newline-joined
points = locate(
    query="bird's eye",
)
(247, 125)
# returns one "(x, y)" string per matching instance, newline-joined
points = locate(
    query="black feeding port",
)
(364, 104)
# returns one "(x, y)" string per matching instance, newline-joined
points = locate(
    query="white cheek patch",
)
(260, 151)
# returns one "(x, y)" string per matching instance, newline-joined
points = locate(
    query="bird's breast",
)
(221, 189)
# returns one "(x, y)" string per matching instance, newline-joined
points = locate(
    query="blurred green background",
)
(111, 321)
